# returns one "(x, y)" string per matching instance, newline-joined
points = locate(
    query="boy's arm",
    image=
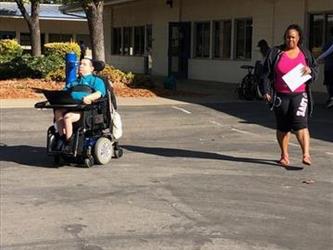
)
(92, 97)
(326, 53)
(99, 86)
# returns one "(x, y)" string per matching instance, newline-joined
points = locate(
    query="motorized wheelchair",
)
(93, 140)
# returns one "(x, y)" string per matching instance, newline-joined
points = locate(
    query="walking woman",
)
(292, 108)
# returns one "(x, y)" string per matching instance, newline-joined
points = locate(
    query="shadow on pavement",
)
(26, 155)
(222, 97)
(172, 152)
(256, 112)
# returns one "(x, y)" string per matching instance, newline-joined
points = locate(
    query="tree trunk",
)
(35, 37)
(33, 24)
(94, 12)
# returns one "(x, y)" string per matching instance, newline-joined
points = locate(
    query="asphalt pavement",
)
(195, 174)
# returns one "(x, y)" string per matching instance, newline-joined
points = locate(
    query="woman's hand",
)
(306, 70)
(267, 97)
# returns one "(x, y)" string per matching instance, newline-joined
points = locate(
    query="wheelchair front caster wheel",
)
(118, 153)
(88, 162)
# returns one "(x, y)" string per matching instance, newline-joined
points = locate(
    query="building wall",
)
(132, 14)
(270, 19)
(47, 26)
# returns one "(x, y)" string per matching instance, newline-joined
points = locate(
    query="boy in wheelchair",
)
(83, 133)
(87, 88)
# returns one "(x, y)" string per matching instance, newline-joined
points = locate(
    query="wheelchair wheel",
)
(249, 87)
(103, 150)
(118, 152)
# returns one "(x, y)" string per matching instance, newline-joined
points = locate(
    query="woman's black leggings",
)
(291, 111)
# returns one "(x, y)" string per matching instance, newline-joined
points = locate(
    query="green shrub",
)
(9, 49)
(33, 67)
(130, 79)
(57, 75)
(61, 49)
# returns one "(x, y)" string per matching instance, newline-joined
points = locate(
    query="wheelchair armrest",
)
(40, 105)
(47, 105)
(100, 100)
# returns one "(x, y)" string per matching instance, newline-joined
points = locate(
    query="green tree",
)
(94, 13)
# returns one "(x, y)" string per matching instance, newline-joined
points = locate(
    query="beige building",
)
(206, 40)
(55, 26)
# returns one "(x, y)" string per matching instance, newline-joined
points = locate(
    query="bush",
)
(9, 49)
(61, 49)
(57, 75)
(130, 79)
(33, 67)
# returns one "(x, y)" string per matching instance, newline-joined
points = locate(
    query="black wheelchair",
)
(93, 140)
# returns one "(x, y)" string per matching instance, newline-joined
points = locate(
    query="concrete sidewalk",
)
(188, 91)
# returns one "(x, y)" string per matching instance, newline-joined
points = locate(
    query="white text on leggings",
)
(302, 108)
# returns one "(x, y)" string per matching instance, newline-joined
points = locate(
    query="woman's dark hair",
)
(298, 29)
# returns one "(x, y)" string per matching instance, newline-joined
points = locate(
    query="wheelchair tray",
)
(47, 105)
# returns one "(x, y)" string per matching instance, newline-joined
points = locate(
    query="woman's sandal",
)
(306, 160)
(284, 161)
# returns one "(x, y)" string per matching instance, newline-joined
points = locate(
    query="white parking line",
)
(216, 123)
(181, 109)
(242, 131)
(329, 153)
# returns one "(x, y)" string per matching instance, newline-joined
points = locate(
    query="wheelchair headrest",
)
(98, 65)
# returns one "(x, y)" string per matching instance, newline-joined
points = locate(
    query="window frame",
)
(113, 47)
(245, 46)
(221, 56)
(312, 45)
(140, 50)
(195, 40)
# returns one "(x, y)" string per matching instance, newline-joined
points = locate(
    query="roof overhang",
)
(77, 6)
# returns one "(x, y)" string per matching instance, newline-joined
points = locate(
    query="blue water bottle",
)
(71, 67)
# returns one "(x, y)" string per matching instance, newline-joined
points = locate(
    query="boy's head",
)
(86, 67)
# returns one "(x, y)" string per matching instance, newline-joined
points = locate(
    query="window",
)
(222, 39)
(127, 45)
(84, 38)
(7, 34)
(116, 41)
(139, 40)
(131, 41)
(60, 38)
(243, 38)
(202, 39)
(321, 26)
(25, 39)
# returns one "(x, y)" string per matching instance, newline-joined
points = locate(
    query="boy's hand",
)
(87, 100)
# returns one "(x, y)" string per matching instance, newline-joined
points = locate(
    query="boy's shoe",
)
(60, 144)
(68, 146)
